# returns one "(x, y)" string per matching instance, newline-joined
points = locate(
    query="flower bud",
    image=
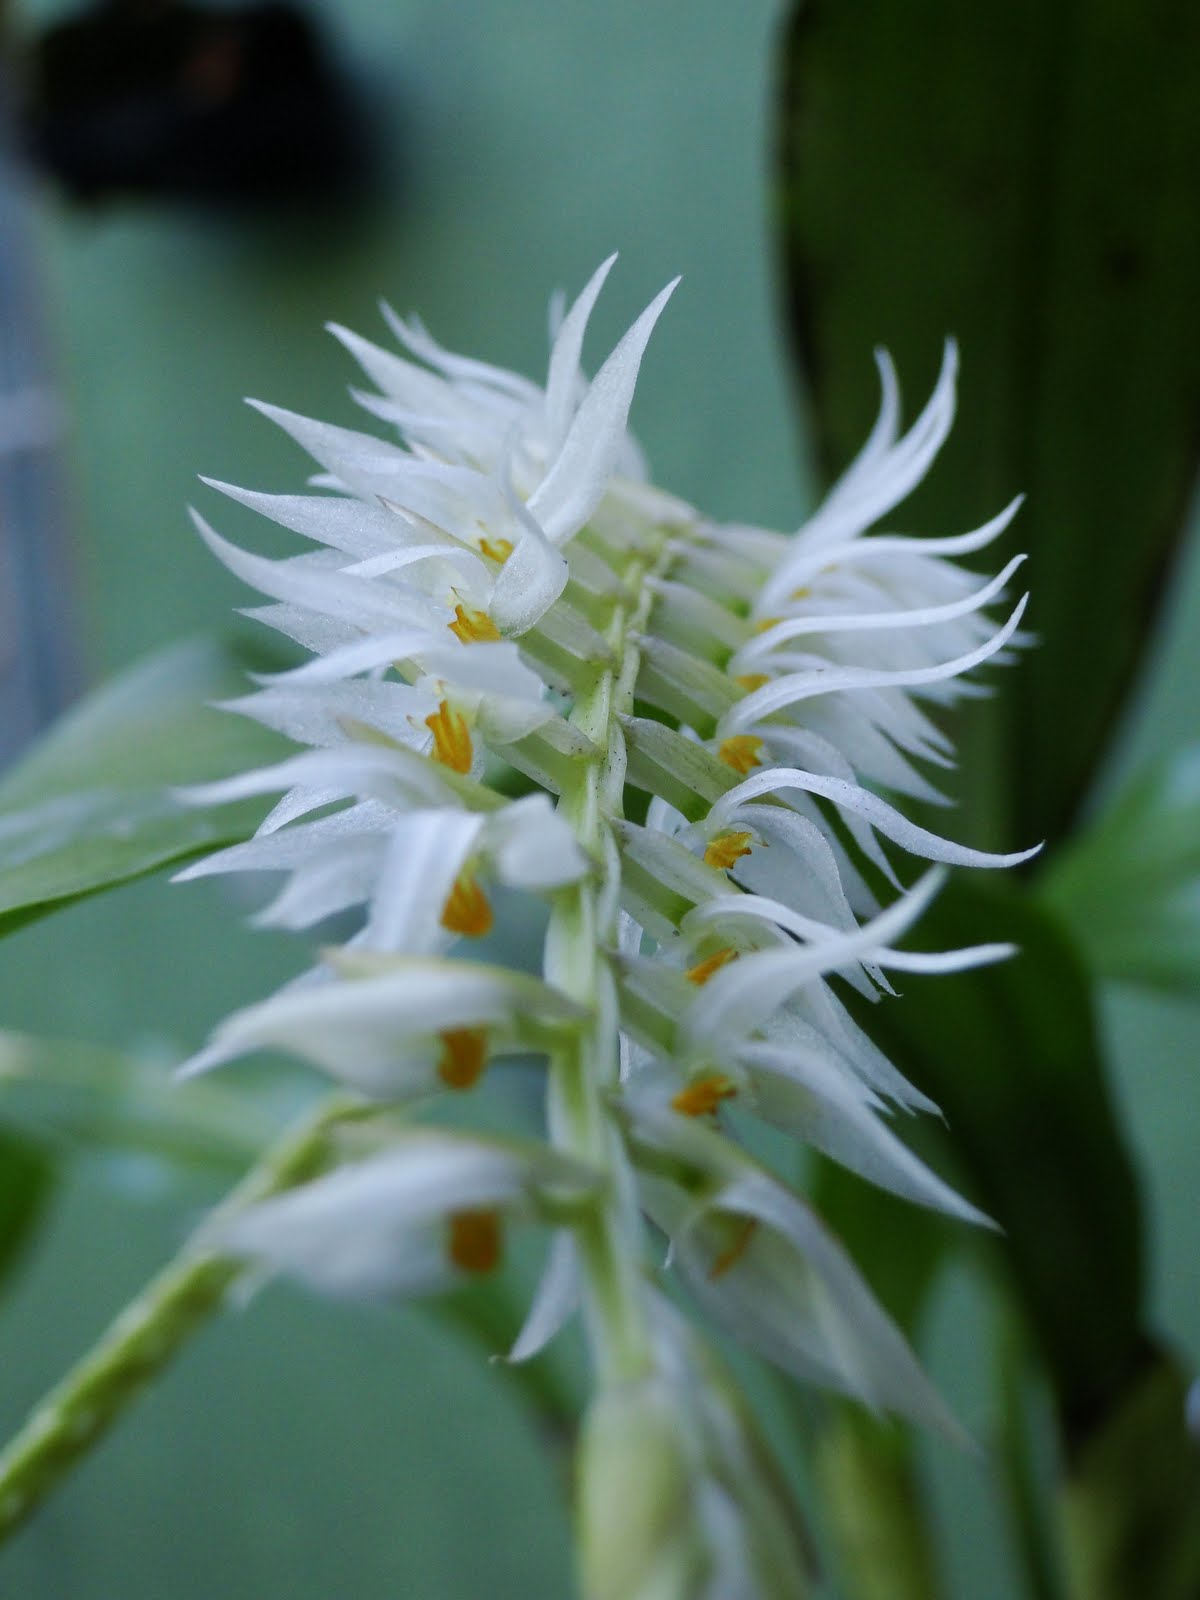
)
(638, 1539)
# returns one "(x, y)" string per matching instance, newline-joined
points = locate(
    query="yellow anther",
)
(726, 849)
(740, 752)
(496, 549)
(703, 970)
(801, 594)
(734, 1251)
(451, 737)
(475, 1241)
(463, 1057)
(472, 626)
(467, 909)
(752, 680)
(702, 1097)
(766, 624)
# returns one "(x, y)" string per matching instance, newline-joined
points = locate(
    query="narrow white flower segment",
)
(532, 676)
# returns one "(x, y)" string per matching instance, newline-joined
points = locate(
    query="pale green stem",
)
(582, 933)
(147, 1334)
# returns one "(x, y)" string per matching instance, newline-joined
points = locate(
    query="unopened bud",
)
(637, 1537)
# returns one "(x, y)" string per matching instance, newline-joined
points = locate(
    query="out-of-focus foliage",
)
(1129, 885)
(25, 1179)
(1024, 177)
(1011, 1055)
(91, 807)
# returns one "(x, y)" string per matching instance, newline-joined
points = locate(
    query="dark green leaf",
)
(1010, 1054)
(1129, 886)
(25, 1178)
(90, 807)
(1025, 177)
(899, 1247)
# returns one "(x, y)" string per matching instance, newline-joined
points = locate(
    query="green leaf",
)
(91, 807)
(1129, 886)
(25, 1180)
(1023, 177)
(866, 1220)
(92, 1100)
(1011, 1055)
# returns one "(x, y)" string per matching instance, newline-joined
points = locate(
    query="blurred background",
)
(498, 152)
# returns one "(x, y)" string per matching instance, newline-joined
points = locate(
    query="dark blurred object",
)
(166, 99)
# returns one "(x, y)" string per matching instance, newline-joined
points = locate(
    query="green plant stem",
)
(1130, 1501)
(73, 1418)
(582, 932)
(877, 1518)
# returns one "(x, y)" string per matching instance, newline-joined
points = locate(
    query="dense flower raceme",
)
(498, 589)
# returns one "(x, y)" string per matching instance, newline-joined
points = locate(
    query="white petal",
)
(530, 581)
(572, 488)
(795, 687)
(425, 854)
(742, 995)
(803, 1092)
(556, 1300)
(374, 1228)
(378, 1032)
(562, 381)
(794, 1295)
(333, 594)
(889, 821)
(532, 847)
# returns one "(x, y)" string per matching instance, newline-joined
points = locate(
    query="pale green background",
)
(301, 1450)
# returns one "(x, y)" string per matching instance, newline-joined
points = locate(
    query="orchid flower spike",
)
(696, 721)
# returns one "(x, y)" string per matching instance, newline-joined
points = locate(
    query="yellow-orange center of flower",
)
(467, 909)
(496, 549)
(740, 752)
(703, 970)
(472, 626)
(726, 849)
(702, 1097)
(734, 1251)
(451, 737)
(752, 680)
(475, 1240)
(463, 1057)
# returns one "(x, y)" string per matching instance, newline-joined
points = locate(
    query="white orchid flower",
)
(498, 590)
(419, 1218)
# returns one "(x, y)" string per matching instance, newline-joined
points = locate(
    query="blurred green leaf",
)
(1011, 1055)
(90, 807)
(1129, 885)
(868, 1221)
(97, 1101)
(1025, 177)
(26, 1175)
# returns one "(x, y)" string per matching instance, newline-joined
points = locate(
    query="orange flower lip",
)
(702, 1097)
(703, 970)
(726, 849)
(451, 738)
(741, 752)
(467, 910)
(476, 1240)
(473, 626)
(463, 1057)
